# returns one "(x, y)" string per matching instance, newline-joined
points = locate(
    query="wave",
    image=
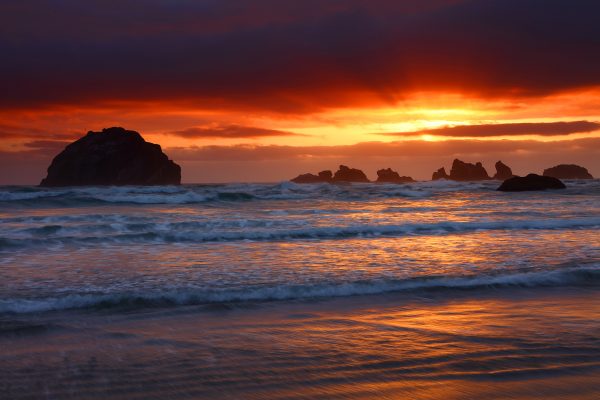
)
(191, 194)
(579, 276)
(201, 193)
(262, 230)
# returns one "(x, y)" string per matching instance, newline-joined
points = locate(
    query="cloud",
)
(412, 157)
(293, 57)
(46, 146)
(11, 130)
(230, 131)
(275, 163)
(407, 149)
(512, 129)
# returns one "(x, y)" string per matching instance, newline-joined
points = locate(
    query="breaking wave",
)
(580, 276)
(260, 230)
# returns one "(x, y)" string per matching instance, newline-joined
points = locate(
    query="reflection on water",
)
(429, 290)
(295, 269)
(527, 343)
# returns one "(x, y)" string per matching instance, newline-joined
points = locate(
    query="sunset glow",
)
(300, 199)
(379, 81)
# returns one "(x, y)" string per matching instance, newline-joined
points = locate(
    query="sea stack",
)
(323, 177)
(462, 171)
(530, 182)
(440, 174)
(347, 174)
(503, 171)
(114, 156)
(568, 171)
(390, 176)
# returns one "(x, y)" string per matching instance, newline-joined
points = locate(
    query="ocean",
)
(285, 291)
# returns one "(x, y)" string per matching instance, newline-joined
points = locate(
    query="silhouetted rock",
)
(306, 178)
(462, 171)
(390, 176)
(503, 171)
(114, 156)
(440, 174)
(324, 176)
(345, 174)
(568, 171)
(530, 182)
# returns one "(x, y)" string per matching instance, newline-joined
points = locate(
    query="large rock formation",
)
(114, 156)
(440, 174)
(346, 174)
(390, 176)
(530, 182)
(462, 171)
(503, 171)
(568, 171)
(324, 176)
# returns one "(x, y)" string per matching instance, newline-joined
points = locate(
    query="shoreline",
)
(515, 343)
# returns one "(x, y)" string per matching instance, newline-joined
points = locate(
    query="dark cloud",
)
(292, 56)
(46, 146)
(11, 130)
(230, 131)
(490, 130)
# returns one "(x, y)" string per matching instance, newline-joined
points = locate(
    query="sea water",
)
(441, 281)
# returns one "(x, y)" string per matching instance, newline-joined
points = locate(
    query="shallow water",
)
(346, 290)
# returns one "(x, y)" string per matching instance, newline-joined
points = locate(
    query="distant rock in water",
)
(462, 171)
(503, 171)
(324, 176)
(440, 174)
(390, 176)
(568, 171)
(114, 156)
(346, 174)
(530, 182)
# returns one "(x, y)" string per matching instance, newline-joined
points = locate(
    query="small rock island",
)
(464, 172)
(345, 174)
(568, 171)
(388, 175)
(114, 156)
(503, 171)
(529, 183)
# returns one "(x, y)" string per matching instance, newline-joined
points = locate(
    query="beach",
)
(283, 291)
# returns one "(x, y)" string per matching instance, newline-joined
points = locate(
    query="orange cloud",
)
(230, 131)
(509, 129)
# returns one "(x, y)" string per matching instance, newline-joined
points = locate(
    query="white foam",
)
(569, 276)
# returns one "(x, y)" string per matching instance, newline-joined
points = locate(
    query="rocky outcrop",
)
(503, 171)
(326, 176)
(323, 177)
(440, 174)
(462, 171)
(568, 171)
(390, 176)
(114, 156)
(530, 182)
(346, 174)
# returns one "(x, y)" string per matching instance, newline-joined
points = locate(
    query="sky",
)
(264, 90)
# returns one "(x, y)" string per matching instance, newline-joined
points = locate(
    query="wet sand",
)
(520, 343)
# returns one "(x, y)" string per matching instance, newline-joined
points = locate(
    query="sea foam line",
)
(579, 276)
(173, 233)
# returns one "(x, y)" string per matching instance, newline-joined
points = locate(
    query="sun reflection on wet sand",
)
(521, 344)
